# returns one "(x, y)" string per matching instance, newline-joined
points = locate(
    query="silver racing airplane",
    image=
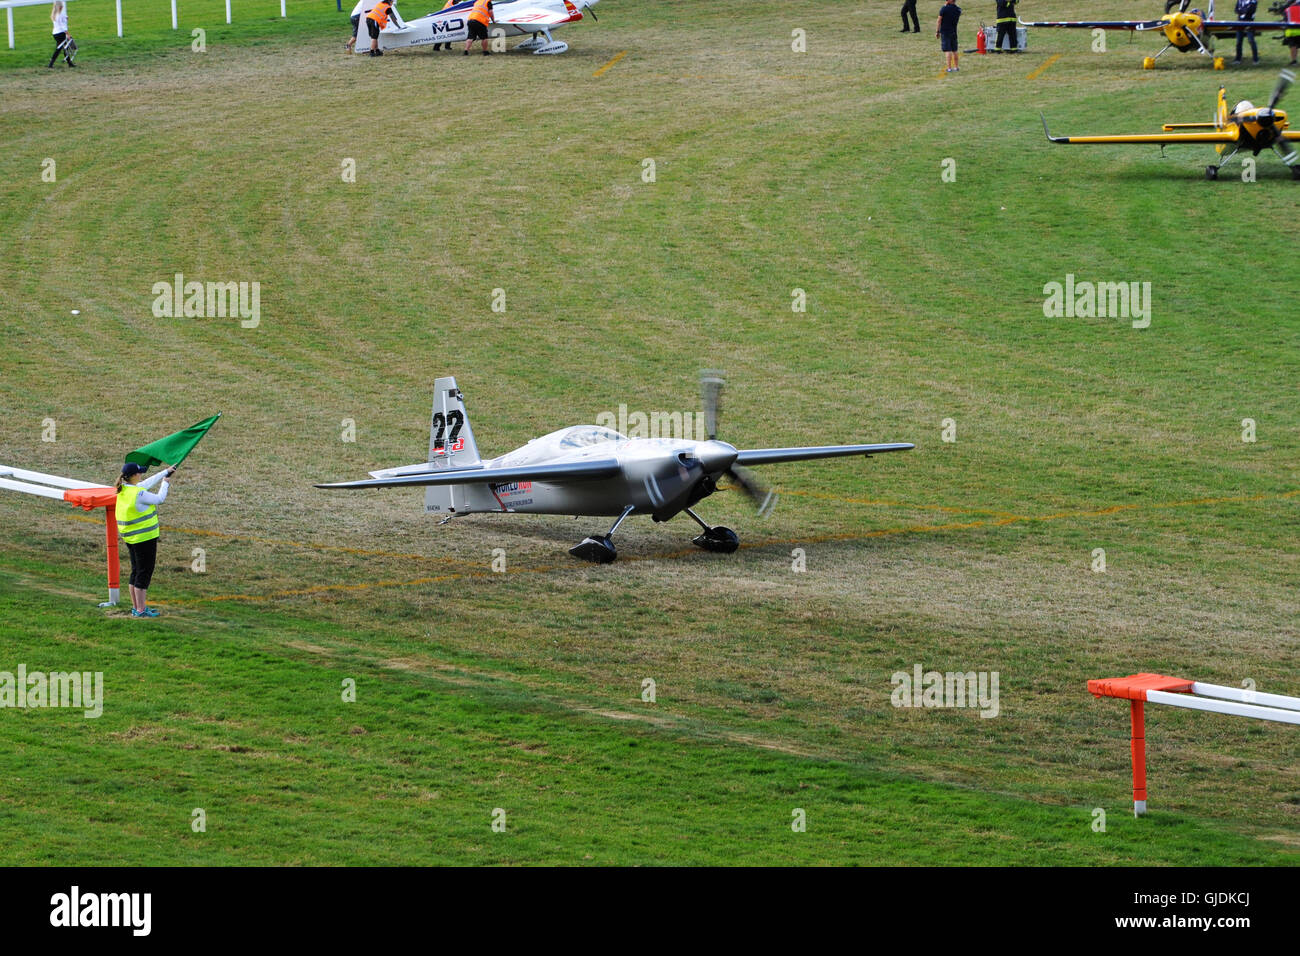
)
(592, 471)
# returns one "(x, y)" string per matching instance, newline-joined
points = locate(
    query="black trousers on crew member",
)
(1007, 29)
(143, 557)
(58, 47)
(909, 7)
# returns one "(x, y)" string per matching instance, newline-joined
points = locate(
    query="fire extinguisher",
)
(981, 42)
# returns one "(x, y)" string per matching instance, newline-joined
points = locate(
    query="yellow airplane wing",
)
(1167, 138)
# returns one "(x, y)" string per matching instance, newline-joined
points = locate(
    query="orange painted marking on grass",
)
(617, 56)
(897, 504)
(1043, 69)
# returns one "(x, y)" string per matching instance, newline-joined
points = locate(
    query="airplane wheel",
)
(721, 540)
(1211, 172)
(597, 550)
(1295, 172)
(1148, 63)
(1218, 63)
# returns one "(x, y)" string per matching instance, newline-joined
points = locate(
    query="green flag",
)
(172, 449)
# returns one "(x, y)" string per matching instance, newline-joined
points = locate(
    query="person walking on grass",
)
(62, 42)
(479, 18)
(909, 9)
(945, 28)
(137, 525)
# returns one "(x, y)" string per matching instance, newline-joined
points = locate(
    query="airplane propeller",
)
(711, 394)
(1284, 81)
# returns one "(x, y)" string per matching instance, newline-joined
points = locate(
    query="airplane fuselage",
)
(657, 476)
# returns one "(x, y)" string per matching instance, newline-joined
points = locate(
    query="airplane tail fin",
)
(452, 445)
(451, 440)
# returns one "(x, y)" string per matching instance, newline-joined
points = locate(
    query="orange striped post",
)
(1141, 689)
(88, 499)
(1138, 750)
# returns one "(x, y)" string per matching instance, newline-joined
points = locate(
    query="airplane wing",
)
(1096, 24)
(1162, 139)
(558, 473)
(770, 456)
(1220, 27)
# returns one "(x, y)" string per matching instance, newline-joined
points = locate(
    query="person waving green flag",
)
(172, 449)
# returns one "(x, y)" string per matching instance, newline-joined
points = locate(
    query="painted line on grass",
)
(1043, 69)
(478, 573)
(617, 56)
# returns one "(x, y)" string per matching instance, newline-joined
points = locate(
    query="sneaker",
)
(467, 52)
(135, 613)
(376, 52)
(148, 612)
(487, 52)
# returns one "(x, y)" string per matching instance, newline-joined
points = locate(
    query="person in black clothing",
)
(1006, 25)
(1246, 11)
(945, 28)
(909, 8)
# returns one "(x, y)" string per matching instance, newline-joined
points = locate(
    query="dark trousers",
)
(1247, 35)
(1007, 29)
(909, 7)
(58, 47)
(143, 557)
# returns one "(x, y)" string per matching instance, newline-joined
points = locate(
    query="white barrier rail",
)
(9, 6)
(39, 483)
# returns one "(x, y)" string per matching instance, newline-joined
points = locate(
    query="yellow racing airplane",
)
(1247, 126)
(1184, 30)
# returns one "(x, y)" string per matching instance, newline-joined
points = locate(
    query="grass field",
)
(774, 171)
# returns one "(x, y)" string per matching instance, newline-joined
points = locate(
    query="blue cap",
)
(131, 468)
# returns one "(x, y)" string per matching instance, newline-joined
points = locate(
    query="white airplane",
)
(535, 18)
(590, 470)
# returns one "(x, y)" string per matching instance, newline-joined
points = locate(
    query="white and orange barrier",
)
(82, 494)
(1140, 689)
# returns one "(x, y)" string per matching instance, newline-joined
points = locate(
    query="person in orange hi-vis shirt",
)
(479, 18)
(376, 20)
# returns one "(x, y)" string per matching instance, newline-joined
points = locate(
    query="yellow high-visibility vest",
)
(135, 525)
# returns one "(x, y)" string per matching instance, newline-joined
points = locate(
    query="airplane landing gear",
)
(548, 47)
(719, 539)
(600, 550)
